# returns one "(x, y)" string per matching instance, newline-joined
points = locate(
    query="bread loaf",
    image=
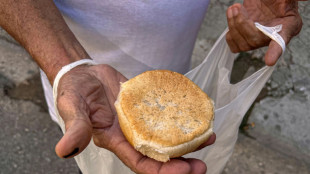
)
(163, 114)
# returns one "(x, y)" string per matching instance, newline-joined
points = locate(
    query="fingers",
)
(238, 40)
(243, 35)
(142, 164)
(210, 141)
(231, 43)
(78, 127)
(197, 165)
(176, 166)
(273, 53)
(75, 140)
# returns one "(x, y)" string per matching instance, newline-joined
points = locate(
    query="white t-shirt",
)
(131, 36)
(134, 36)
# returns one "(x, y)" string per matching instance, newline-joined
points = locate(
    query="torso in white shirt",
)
(134, 36)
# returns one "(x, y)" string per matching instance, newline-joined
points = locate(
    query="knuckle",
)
(237, 5)
(259, 41)
(233, 48)
(240, 20)
(244, 47)
(228, 37)
(254, 42)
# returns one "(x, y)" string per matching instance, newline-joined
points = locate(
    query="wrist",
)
(53, 69)
(64, 70)
(52, 62)
(40, 28)
(54, 49)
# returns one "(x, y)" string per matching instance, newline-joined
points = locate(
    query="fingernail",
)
(76, 150)
(235, 11)
(229, 13)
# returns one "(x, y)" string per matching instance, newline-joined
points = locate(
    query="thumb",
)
(273, 53)
(78, 126)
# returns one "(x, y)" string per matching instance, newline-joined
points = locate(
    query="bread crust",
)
(163, 114)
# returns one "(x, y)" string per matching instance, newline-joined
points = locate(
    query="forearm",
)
(39, 27)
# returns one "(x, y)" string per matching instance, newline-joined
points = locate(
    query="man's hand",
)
(244, 36)
(86, 97)
(86, 94)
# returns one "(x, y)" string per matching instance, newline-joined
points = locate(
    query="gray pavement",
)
(258, 156)
(28, 135)
(282, 110)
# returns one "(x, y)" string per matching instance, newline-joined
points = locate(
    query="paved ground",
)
(283, 107)
(28, 136)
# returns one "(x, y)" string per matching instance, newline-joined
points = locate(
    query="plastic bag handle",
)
(231, 100)
(273, 33)
(261, 76)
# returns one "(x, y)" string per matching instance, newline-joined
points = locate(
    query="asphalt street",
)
(28, 136)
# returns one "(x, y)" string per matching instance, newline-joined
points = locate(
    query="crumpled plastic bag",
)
(231, 100)
(231, 103)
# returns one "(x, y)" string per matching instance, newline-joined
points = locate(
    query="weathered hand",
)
(244, 36)
(86, 97)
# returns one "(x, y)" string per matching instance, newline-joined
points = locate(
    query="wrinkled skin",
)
(86, 94)
(86, 97)
(244, 36)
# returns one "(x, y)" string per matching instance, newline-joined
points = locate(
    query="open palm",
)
(86, 97)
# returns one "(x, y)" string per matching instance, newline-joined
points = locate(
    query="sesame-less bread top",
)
(164, 108)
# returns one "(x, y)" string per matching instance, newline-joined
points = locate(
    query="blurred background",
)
(273, 138)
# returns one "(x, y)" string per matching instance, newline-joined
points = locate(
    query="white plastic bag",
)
(231, 102)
